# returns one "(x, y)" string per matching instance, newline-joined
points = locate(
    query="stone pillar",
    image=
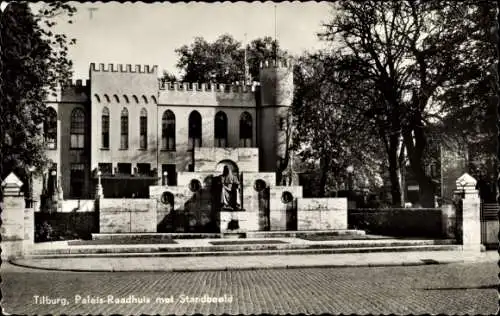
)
(14, 217)
(471, 224)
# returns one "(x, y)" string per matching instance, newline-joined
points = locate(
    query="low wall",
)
(321, 213)
(404, 222)
(127, 215)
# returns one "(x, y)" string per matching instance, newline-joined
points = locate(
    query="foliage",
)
(411, 63)
(33, 61)
(223, 61)
(168, 77)
(328, 130)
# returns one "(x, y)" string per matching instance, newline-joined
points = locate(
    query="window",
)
(124, 129)
(246, 130)
(124, 168)
(144, 169)
(143, 129)
(77, 180)
(105, 128)
(77, 129)
(168, 131)
(194, 132)
(220, 129)
(50, 129)
(106, 168)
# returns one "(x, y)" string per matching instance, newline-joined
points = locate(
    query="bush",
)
(44, 232)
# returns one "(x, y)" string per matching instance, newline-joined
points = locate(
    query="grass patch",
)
(122, 241)
(343, 237)
(248, 242)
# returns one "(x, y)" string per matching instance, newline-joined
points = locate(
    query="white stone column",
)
(13, 218)
(471, 224)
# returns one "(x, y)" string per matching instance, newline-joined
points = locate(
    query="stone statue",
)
(230, 186)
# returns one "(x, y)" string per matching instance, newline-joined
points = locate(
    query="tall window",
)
(105, 128)
(77, 180)
(246, 130)
(77, 129)
(50, 129)
(220, 129)
(194, 130)
(168, 131)
(143, 129)
(124, 129)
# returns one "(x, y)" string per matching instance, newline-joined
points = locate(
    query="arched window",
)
(220, 129)
(135, 99)
(194, 132)
(50, 128)
(105, 128)
(124, 129)
(125, 98)
(77, 129)
(117, 100)
(246, 130)
(168, 131)
(145, 99)
(107, 98)
(143, 129)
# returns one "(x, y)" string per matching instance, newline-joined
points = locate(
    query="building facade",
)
(137, 130)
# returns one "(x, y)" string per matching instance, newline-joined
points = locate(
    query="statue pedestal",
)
(233, 220)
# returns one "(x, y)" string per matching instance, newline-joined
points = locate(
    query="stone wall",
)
(282, 212)
(127, 215)
(321, 213)
(181, 209)
(207, 159)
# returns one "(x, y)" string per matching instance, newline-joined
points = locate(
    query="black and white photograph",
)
(247, 158)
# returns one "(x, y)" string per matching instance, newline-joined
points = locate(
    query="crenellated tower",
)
(276, 97)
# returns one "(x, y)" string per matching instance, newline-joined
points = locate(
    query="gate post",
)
(471, 223)
(14, 219)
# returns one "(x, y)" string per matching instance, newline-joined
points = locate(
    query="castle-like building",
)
(136, 130)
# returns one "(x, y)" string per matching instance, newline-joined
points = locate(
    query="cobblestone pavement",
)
(450, 289)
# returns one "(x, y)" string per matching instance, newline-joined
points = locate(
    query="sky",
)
(139, 33)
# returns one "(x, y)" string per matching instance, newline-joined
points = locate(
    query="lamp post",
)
(31, 169)
(99, 191)
(165, 173)
(53, 173)
(349, 170)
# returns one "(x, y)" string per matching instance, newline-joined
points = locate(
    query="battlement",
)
(204, 87)
(75, 84)
(124, 68)
(286, 63)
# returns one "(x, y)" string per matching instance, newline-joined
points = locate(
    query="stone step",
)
(116, 236)
(255, 252)
(254, 234)
(254, 246)
(305, 233)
